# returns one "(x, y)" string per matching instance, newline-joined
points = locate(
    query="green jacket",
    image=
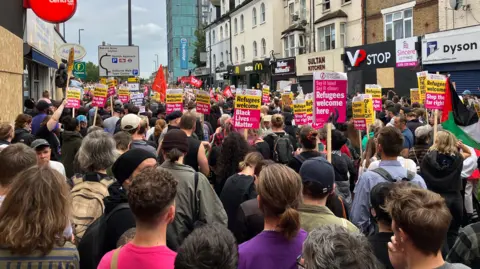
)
(205, 202)
(70, 146)
(312, 216)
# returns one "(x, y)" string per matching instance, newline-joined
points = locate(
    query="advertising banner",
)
(406, 53)
(265, 94)
(203, 102)
(183, 53)
(415, 96)
(330, 96)
(300, 112)
(247, 109)
(124, 94)
(376, 92)
(73, 98)
(174, 100)
(422, 86)
(435, 95)
(100, 95)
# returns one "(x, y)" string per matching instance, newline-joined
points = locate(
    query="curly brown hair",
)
(150, 194)
(35, 212)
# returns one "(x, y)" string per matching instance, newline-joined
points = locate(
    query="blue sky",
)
(106, 20)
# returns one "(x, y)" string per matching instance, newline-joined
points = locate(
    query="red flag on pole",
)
(159, 84)
(227, 92)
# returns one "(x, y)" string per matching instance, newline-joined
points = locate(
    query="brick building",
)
(395, 19)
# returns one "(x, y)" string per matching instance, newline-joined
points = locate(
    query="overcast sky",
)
(106, 20)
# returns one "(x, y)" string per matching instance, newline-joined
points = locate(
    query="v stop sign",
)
(378, 58)
(53, 11)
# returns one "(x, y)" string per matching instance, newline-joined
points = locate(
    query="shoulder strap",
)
(119, 207)
(106, 181)
(383, 173)
(410, 175)
(114, 262)
(300, 158)
(77, 180)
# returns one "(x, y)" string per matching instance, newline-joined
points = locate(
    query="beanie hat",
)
(175, 138)
(129, 161)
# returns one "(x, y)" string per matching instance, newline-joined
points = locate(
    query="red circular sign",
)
(54, 11)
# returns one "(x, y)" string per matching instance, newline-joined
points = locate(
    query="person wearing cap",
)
(49, 131)
(401, 124)
(137, 127)
(71, 142)
(196, 201)
(82, 119)
(267, 125)
(43, 150)
(318, 178)
(173, 120)
(110, 123)
(43, 108)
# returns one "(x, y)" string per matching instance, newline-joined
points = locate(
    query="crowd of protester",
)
(124, 189)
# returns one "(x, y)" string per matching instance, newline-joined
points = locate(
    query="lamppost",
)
(130, 42)
(79, 36)
(156, 66)
(271, 62)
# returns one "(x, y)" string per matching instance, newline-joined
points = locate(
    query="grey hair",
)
(224, 119)
(333, 247)
(97, 152)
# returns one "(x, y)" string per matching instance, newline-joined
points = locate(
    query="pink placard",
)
(434, 100)
(123, 98)
(265, 99)
(174, 107)
(203, 108)
(360, 124)
(111, 91)
(246, 118)
(330, 96)
(377, 104)
(73, 103)
(300, 119)
(99, 101)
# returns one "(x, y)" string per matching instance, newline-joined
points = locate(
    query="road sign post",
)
(118, 61)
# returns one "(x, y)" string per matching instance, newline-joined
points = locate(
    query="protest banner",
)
(265, 94)
(103, 81)
(100, 95)
(376, 92)
(124, 94)
(287, 99)
(422, 86)
(415, 96)
(330, 97)
(300, 112)
(174, 100)
(73, 98)
(309, 108)
(156, 97)
(137, 98)
(435, 91)
(247, 109)
(203, 102)
(358, 113)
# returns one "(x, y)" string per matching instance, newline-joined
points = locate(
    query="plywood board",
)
(386, 77)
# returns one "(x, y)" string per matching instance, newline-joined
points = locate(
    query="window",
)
(291, 12)
(326, 5)
(399, 25)
(346, 1)
(343, 35)
(221, 57)
(243, 53)
(291, 40)
(235, 26)
(236, 54)
(262, 13)
(214, 62)
(242, 25)
(210, 15)
(254, 17)
(326, 37)
(303, 9)
(213, 37)
(223, 6)
(255, 52)
(289, 44)
(264, 47)
(226, 30)
(226, 58)
(208, 39)
(221, 33)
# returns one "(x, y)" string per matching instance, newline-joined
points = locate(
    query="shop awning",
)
(38, 57)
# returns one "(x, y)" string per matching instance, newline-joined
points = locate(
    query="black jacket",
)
(23, 136)
(442, 172)
(237, 189)
(248, 222)
(413, 125)
(71, 142)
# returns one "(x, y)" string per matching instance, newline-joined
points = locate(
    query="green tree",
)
(200, 46)
(92, 72)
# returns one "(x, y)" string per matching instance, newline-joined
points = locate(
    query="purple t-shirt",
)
(270, 250)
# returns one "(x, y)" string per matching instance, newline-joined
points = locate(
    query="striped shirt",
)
(65, 257)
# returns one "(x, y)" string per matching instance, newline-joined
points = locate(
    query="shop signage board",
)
(330, 96)
(405, 52)
(80, 70)
(371, 56)
(283, 67)
(53, 11)
(64, 50)
(119, 61)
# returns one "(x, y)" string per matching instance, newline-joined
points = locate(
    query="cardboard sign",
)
(363, 113)
(156, 97)
(287, 99)
(103, 81)
(73, 98)
(300, 112)
(71, 58)
(265, 94)
(435, 95)
(247, 109)
(124, 94)
(415, 96)
(376, 92)
(330, 96)
(422, 86)
(100, 95)
(137, 98)
(174, 100)
(203, 102)
(309, 108)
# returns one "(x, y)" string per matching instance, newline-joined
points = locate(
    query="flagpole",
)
(435, 124)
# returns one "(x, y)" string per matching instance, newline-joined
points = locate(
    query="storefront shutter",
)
(466, 80)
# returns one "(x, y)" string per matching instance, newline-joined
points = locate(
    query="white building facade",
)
(458, 15)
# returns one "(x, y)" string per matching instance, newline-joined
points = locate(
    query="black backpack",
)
(282, 148)
(91, 248)
(386, 175)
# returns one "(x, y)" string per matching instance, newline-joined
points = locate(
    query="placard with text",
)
(309, 108)
(174, 100)
(422, 86)
(330, 97)
(100, 95)
(300, 112)
(415, 96)
(137, 98)
(247, 109)
(435, 91)
(375, 91)
(203, 102)
(362, 110)
(73, 98)
(265, 94)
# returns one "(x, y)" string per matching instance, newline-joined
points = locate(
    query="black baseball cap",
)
(319, 171)
(174, 115)
(39, 143)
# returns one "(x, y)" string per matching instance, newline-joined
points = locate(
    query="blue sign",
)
(135, 72)
(183, 53)
(114, 60)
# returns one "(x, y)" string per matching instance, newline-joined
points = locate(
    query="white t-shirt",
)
(150, 132)
(59, 167)
(406, 163)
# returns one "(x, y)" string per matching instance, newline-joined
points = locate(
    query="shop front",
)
(455, 53)
(203, 74)
(248, 75)
(283, 70)
(306, 64)
(391, 64)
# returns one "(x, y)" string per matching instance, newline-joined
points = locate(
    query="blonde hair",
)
(251, 159)
(277, 121)
(445, 143)
(35, 212)
(280, 191)
(264, 110)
